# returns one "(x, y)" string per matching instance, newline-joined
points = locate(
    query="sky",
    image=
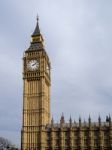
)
(77, 36)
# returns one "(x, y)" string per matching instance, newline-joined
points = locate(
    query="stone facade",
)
(38, 132)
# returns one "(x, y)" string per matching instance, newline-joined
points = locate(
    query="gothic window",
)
(48, 134)
(106, 134)
(86, 134)
(66, 142)
(106, 142)
(57, 142)
(48, 142)
(66, 135)
(96, 135)
(57, 134)
(96, 142)
(85, 142)
(76, 142)
(76, 134)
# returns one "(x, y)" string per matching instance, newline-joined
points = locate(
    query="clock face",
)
(47, 69)
(33, 65)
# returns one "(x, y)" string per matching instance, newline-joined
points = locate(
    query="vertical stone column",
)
(42, 139)
(62, 138)
(90, 136)
(71, 138)
(100, 134)
(81, 136)
(90, 139)
(110, 133)
(100, 139)
(52, 139)
(81, 139)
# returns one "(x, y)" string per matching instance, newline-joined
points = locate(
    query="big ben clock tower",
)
(36, 92)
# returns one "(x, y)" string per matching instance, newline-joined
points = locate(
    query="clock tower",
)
(36, 92)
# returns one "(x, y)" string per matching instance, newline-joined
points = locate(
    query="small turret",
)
(62, 120)
(110, 122)
(80, 122)
(107, 119)
(89, 120)
(70, 121)
(99, 121)
(52, 121)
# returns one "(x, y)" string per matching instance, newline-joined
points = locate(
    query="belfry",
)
(39, 131)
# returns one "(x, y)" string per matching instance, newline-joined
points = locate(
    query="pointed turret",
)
(70, 121)
(110, 121)
(62, 120)
(80, 122)
(52, 121)
(37, 29)
(89, 120)
(99, 120)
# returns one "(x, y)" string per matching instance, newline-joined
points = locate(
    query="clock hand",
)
(33, 64)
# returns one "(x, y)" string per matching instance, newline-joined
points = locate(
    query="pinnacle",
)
(37, 30)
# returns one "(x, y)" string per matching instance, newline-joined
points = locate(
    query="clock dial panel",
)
(47, 68)
(33, 65)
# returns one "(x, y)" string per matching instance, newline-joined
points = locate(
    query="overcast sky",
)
(78, 40)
